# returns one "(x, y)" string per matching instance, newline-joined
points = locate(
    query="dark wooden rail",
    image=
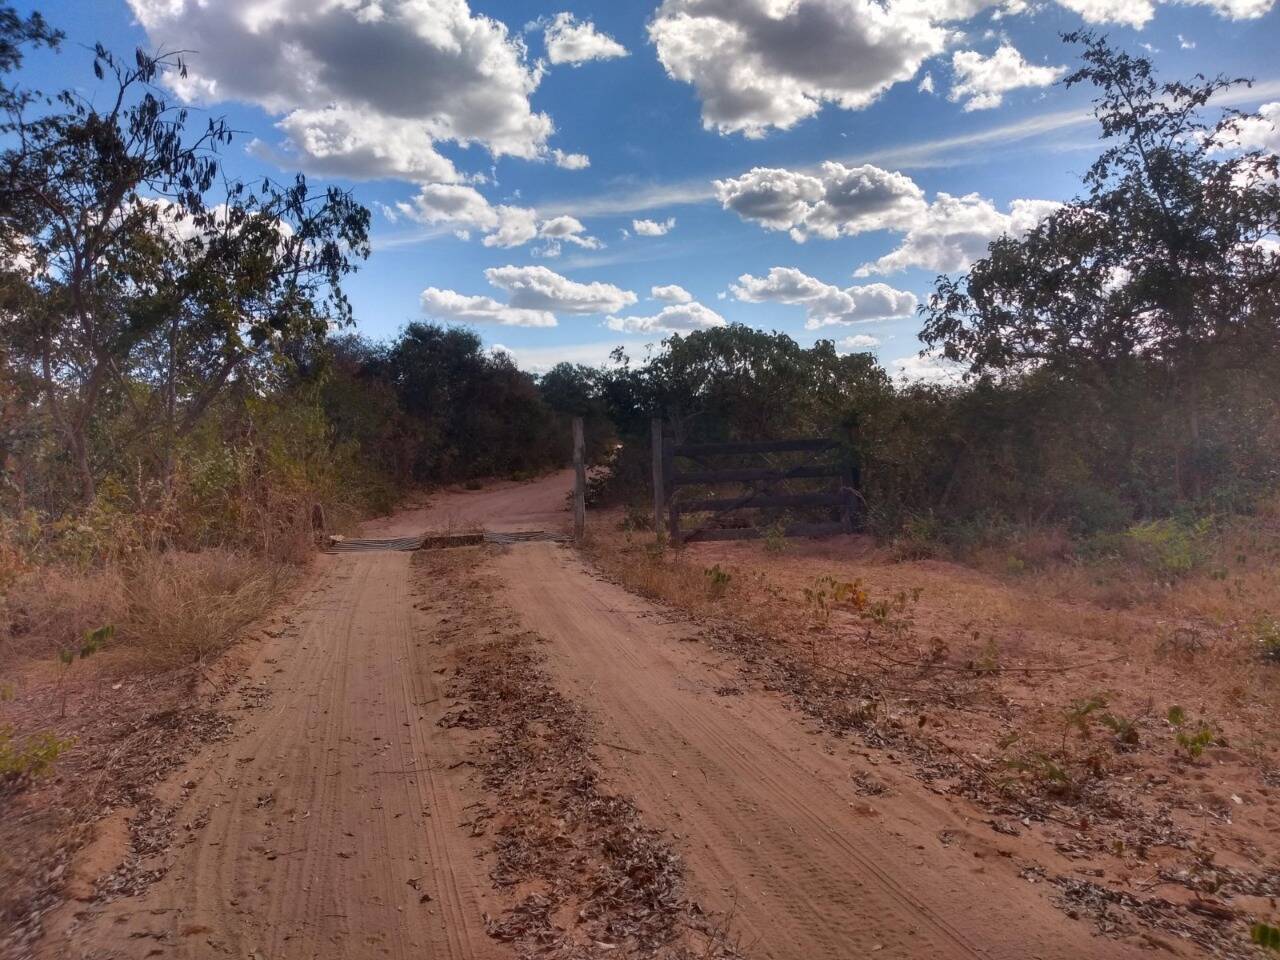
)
(765, 480)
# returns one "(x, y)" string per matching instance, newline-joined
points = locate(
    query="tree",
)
(123, 272)
(479, 414)
(17, 33)
(1161, 264)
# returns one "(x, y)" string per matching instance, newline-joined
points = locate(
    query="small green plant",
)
(775, 536)
(1173, 547)
(1265, 935)
(1079, 717)
(1265, 631)
(656, 549)
(828, 593)
(91, 643)
(987, 662)
(1122, 727)
(31, 758)
(1046, 773)
(1192, 741)
(636, 517)
(717, 581)
(1082, 716)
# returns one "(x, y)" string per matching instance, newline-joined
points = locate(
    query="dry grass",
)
(995, 661)
(187, 607)
(641, 562)
(167, 608)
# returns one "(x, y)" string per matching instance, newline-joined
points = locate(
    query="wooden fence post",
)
(580, 481)
(668, 484)
(658, 493)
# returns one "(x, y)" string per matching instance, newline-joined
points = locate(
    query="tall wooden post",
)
(668, 476)
(658, 493)
(580, 480)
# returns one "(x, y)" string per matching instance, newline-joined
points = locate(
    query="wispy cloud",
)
(937, 152)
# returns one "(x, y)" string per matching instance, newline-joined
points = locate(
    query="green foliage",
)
(1081, 717)
(1192, 740)
(1265, 935)
(988, 661)
(717, 581)
(1265, 631)
(32, 757)
(775, 536)
(1173, 546)
(90, 643)
(476, 415)
(828, 594)
(1044, 772)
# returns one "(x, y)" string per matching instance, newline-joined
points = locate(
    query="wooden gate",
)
(825, 460)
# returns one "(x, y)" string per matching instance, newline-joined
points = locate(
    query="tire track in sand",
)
(770, 824)
(332, 814)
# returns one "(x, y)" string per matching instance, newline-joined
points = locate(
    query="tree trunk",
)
(80, 457)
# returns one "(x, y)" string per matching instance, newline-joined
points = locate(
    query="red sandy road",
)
(362, 800)
(343, 790)
(765, 812)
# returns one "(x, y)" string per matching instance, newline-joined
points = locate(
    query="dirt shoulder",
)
(773, 814)
(328, 822)
(1046, 719)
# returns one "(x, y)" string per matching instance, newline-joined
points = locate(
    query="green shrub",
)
(1265, 935)
(717, 581)
(1265, 631)
(1173, 547)
(29, 758)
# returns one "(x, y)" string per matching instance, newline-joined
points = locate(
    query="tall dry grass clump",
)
(168, 609)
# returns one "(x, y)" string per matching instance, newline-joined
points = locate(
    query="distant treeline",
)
(1121, 361)
(174, 371)
(173, 368)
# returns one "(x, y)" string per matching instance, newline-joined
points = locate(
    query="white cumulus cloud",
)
(1138, 13)
(825, 304)
(857, 343)
(535, 295)
(537, 288)
(463, 208)
(757, 64)
(1132, 13)
(927, 369)
(569, 41)
(678, 317)
(981, 82)
(672, 293)
(1260, 131)
(362, 88)
(837, 201)
(653, 228)
(956, 231)
(451, 305)
(570, 161)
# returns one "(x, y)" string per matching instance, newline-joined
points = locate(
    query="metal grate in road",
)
(440, 541)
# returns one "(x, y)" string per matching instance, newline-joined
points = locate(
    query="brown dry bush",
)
(168, 608)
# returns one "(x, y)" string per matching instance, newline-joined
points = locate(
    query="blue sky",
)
(468, 127)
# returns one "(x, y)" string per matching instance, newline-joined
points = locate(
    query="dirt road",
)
(322, 827)
(330, 826)
(771, 824)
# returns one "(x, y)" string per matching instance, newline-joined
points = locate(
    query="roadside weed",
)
(717, 581)
(30, 758)
(1192, 741)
